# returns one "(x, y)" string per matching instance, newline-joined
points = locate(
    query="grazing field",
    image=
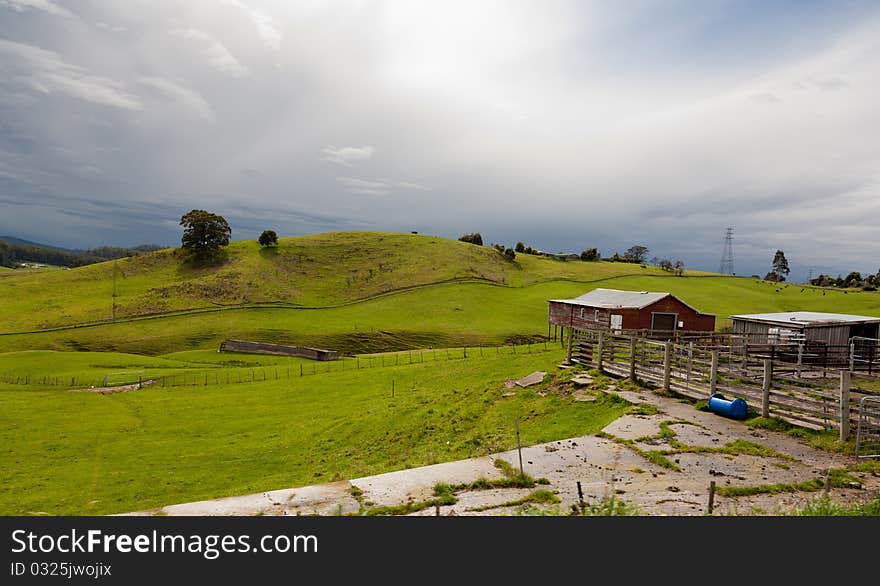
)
(306, 271)
(84, 453)
(223, 424)
(451, 314)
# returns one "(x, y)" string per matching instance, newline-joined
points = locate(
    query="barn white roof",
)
(806, 318)
(615, 299)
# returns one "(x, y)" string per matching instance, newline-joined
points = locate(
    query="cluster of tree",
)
(11, 255)
(474, 238)
(665, 264)
(520, 247)
(508, 253)
(635, 254)
(780, 268)
(852, 280)
(590, 255)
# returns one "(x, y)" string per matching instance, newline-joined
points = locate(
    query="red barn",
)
(616, 310)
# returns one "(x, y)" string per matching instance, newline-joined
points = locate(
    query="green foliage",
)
(806, 486)
(608, 506)
(268, 238)
(780, 268)
(644, 409)
(538, 497)
(204, 233)
(823, 506)
(474, 238)
(590, 255)
(636, 254)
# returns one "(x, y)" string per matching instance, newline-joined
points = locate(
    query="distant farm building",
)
(834, 329)
(651, 313)
(827, 338)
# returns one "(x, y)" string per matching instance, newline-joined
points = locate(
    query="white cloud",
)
(346, 155)
(267, 27)
(355, 185)
(113, 28)
(188, 98)
(411, 185)
(44, 5)
(215, 52)
(378, 187)
(46, 72)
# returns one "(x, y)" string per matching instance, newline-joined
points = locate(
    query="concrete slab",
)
(635, 426)
(532, 379)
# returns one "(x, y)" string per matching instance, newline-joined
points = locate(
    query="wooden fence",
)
(811, 395)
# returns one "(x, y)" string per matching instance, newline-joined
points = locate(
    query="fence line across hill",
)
(244, 374)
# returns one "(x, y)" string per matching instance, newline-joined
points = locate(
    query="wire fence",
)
(229, 375)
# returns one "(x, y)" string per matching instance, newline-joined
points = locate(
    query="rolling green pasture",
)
(306, 271)
(83, 453)
(452, 314)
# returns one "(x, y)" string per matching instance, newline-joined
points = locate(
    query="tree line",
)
(12, 255)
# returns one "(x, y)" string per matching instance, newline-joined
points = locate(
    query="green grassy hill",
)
(351, 291)
(307, 271)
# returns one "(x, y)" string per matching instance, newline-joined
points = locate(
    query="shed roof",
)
(807, 318)
(616, 299)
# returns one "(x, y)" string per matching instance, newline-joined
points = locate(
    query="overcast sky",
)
(562, 124)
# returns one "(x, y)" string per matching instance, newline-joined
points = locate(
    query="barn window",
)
(582, 312)
(596, 315)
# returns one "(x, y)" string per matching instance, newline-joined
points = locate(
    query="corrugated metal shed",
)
(615, 299)
(800, 319)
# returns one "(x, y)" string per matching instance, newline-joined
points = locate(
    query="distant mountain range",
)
(17, 250)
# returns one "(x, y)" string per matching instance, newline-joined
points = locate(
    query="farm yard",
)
(431, 332)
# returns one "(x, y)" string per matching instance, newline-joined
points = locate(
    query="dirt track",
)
(601, 465)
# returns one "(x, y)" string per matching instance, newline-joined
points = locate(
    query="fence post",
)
(713, 373)
(632, 358)
(852, 355)
(800, 359)
(568, 352)
(844, 404)
(601, 348)
(690, 361)
(765, 389)
(667, 364)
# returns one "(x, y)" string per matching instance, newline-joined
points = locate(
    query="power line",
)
(726, 267)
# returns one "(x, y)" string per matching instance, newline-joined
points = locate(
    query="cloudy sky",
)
(561, 124)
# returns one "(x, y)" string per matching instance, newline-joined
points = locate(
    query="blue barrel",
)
(735, 408)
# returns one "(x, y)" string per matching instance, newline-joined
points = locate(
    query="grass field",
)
(307, 271)
(455, 314)
(224, 424)
(93, 454)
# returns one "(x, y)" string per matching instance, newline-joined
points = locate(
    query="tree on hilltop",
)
(780, 267)
(268, 238)
(474, 238)
(203, 234)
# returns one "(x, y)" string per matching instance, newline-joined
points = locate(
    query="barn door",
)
(663, 322)
(616, 322)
